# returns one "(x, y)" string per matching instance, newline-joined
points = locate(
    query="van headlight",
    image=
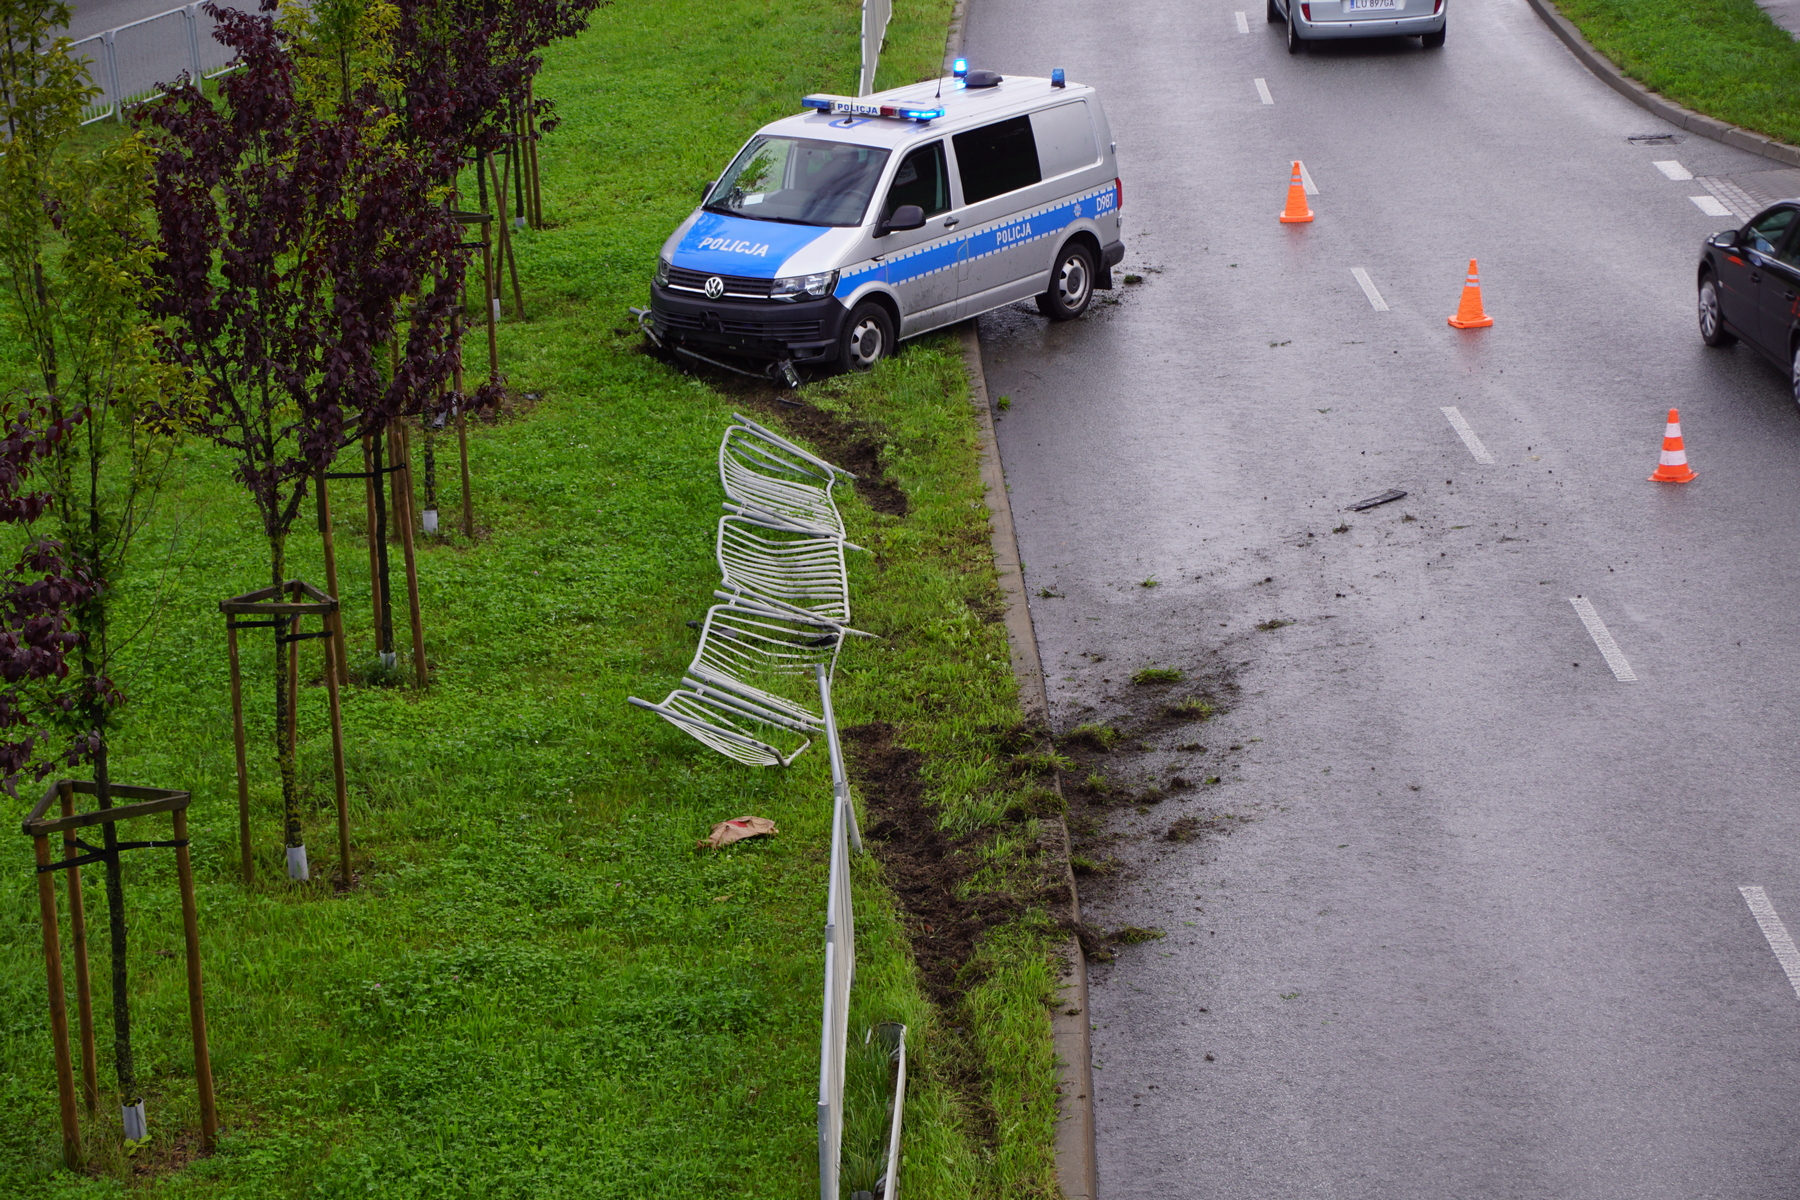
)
(662, 272)
(796, 286)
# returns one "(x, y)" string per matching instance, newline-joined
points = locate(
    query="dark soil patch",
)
(925, 869)
(847, 444)
(1141, 759)
(167, 1154)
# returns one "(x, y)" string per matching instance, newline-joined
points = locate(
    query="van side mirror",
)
(706, 189)
(907, 216)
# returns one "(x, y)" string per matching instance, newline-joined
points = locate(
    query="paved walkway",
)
(1785, 13)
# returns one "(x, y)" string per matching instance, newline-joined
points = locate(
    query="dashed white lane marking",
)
(1467, 434)
(1673, 169)
(1603, 640)
(1710, 206)
(1312, 189)
(1262, 89)
(1786, 953)
(1243, 23)
(1368, 287)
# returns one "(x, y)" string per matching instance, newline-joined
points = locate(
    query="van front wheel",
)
(868, 337)
(1071, 284)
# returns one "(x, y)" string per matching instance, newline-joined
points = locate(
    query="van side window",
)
(923, 179)
(996, 159)
(1065, 138)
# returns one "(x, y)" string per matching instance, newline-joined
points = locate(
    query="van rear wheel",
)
(868, 337)
(1071, 287)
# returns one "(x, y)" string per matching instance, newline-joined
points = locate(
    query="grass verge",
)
(540, 988)
(1724, 58)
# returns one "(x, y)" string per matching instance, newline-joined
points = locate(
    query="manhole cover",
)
(1654, 139)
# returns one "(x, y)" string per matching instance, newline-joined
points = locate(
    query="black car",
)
(1750, 286)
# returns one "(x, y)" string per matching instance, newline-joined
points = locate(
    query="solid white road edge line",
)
(1467, 434)
(1609, 649)
(1786, 953)
(1262, 89)
(1673, 169)
(1243, 23)
(1368, 287)
(1710, 206)
(1311, 188)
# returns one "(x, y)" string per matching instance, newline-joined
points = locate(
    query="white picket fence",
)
(135, 62)
(875, 17)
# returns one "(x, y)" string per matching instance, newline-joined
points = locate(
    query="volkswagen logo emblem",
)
(715, 287)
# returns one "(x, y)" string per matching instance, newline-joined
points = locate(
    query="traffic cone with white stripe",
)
(1296, 212)
(1469, 314)
(1673, 467)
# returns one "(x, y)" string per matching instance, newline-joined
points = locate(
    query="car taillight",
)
(1306, 12)
(1118, 195)
(1437, 8)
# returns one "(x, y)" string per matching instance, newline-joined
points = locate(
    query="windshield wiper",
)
(734, 212)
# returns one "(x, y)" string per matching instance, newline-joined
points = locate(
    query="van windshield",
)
(800, 181)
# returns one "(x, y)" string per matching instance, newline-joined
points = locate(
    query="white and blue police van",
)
(859, 222)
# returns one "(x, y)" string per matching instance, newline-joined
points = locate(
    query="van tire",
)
(868, 337)
(1295, 43)
(1274, 13)
(1071, 287)
(1432, 41)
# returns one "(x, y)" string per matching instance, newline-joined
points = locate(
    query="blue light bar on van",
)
(960, 67)
(1056, 77)
(845, 106)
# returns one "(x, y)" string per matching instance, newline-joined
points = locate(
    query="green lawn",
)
(1724, 58)
(541, 989)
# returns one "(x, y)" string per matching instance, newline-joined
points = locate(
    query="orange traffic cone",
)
(1468, 313)
(1673, 467)
(1296, 212)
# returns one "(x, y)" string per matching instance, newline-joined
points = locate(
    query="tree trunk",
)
(378, 481)
(292, 838)
(123, 1063)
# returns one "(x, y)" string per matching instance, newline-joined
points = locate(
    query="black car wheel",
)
(1796, 375)
(1274, 13)
(868, 337)
(1071, 284)
(1712, 324)
(1431, 41)
(1296, 44)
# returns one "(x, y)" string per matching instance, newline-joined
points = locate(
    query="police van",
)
(837, 232)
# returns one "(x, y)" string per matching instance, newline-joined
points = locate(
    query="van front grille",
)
(737, 287)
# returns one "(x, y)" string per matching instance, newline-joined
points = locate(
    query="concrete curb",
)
(1076, 1166)
(1643, 97)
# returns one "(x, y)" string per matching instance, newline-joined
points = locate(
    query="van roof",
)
(963, 107)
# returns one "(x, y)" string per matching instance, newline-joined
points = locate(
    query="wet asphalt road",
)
(1480, 933)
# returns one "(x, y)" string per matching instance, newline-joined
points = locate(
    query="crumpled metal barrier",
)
(786, 607)
(775, 563)
(769, 479)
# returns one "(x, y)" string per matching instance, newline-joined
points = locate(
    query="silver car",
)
(1317, 22)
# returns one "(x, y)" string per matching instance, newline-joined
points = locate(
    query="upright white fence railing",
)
(137, 61)
(840, 958)
(875, 15)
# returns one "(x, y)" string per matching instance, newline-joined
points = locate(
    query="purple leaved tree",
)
(307, 276)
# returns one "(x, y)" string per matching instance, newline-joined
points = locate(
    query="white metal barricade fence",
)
(840, 957)
(875, 14)
(787, 603)
(137, 61)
